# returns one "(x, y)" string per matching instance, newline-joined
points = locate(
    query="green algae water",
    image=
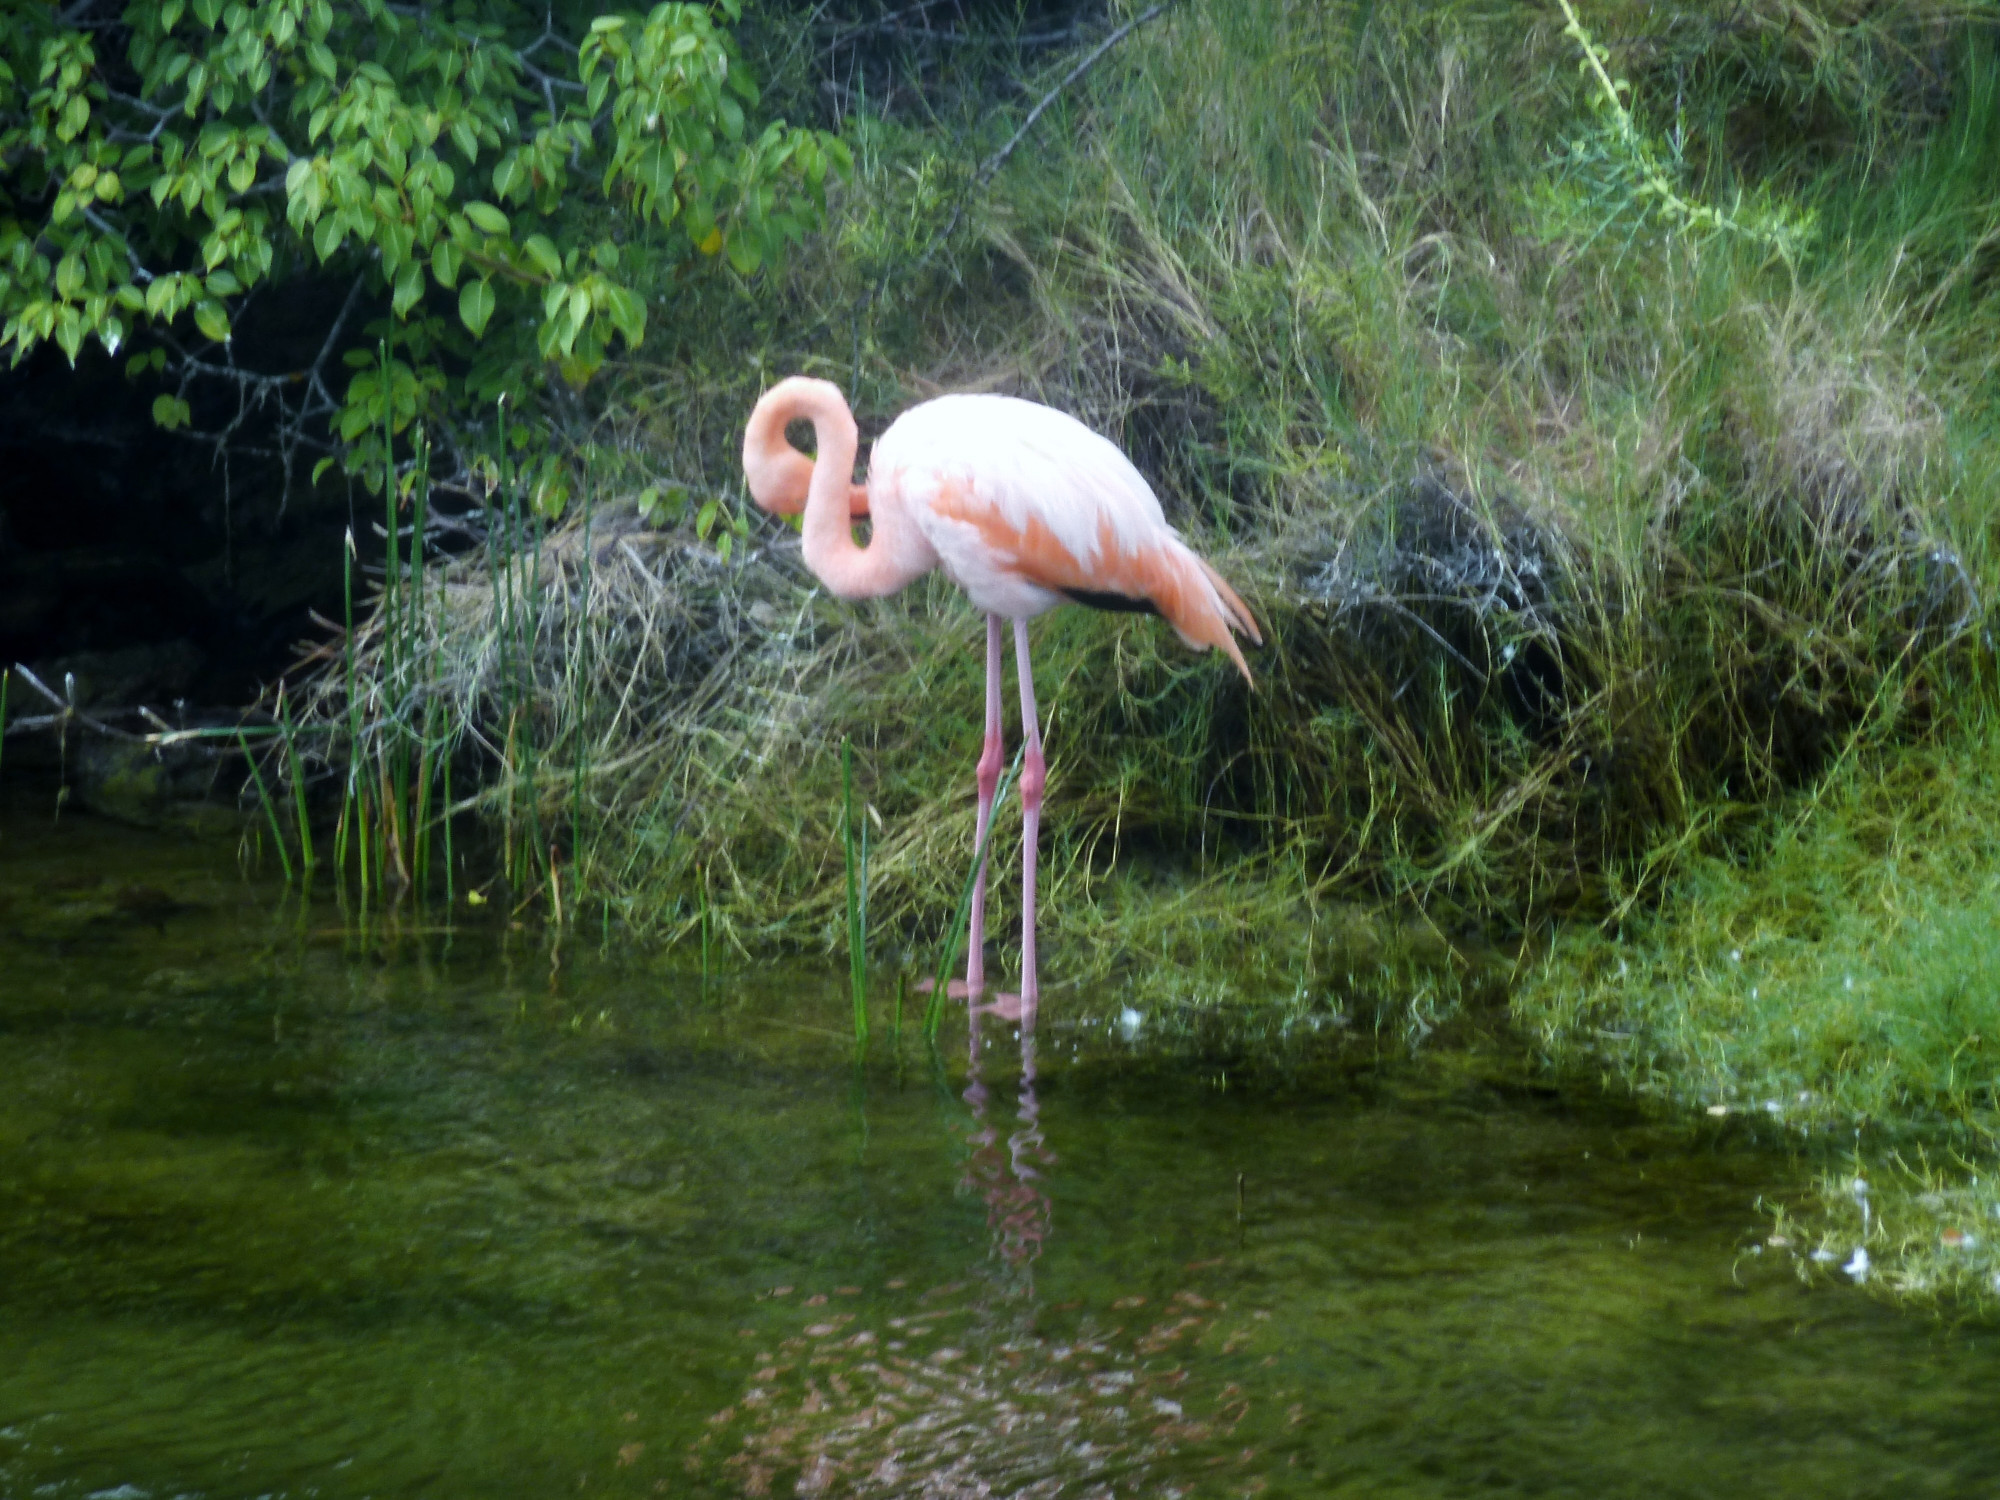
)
(291, 1210)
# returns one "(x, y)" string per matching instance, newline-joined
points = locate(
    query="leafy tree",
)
(493, 183)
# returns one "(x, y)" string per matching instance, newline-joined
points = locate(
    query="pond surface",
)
(288, 1212)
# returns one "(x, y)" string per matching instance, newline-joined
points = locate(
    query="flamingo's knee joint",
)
(1034, 776)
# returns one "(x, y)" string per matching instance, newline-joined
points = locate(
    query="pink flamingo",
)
(1023, 507)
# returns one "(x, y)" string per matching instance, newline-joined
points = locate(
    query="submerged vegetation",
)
(1597, 406)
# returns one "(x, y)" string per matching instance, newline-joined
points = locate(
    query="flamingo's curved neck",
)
(778, 473)
(896, 553)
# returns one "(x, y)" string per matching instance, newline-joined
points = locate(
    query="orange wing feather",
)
(1164, 571)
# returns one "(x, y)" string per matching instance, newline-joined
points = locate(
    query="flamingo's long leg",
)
(1034, 773)
(989, 778)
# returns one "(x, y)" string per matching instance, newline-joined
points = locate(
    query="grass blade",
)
(450, 893)
(701, 874)
(296, 771)
(270, 808)
(857, 935)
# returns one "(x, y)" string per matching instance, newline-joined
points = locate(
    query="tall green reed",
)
(296, 773)
(857, 894)
(270, 806)
(514, 560)
(375, 715)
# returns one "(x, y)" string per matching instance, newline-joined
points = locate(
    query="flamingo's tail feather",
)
(1239, 613)
(1203, 609)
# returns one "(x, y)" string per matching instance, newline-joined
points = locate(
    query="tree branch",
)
(992, 164)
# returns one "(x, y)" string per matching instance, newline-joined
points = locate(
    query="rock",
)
(119, 780)
(149, 787)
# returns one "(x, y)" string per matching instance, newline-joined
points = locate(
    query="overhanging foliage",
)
(480, 172)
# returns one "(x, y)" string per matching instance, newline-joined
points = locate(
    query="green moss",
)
(1839, 975)
(1842, 966)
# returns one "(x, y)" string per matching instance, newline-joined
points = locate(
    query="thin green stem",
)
(857, 935)
(450, 892)
(701, 875)
(296, 771)
(270, 808)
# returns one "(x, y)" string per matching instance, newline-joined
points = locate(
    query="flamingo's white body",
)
(1024, 508)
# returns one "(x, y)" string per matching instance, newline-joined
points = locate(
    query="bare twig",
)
(66, 712)
(998, 159)
(991, 166)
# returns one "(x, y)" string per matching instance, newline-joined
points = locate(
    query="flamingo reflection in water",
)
(1009, 1180)
(974, 1387)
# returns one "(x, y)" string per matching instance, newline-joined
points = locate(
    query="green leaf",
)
(486, 216)
(327, 235)
(628, 314)
(475, 306)
(539, 247)
(551, 500)
(507, 172)
(409, 288)
(171, 412)
(445, 261)
(212, 320)
(744, 252)
(69, 333)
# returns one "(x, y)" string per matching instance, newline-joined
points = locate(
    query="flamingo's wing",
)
(1010, 487)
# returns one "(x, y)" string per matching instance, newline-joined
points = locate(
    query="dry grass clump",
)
(669, 723)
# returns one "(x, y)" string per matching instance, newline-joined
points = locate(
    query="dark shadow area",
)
(136, 559)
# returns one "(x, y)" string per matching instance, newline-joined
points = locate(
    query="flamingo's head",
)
(778, 473)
